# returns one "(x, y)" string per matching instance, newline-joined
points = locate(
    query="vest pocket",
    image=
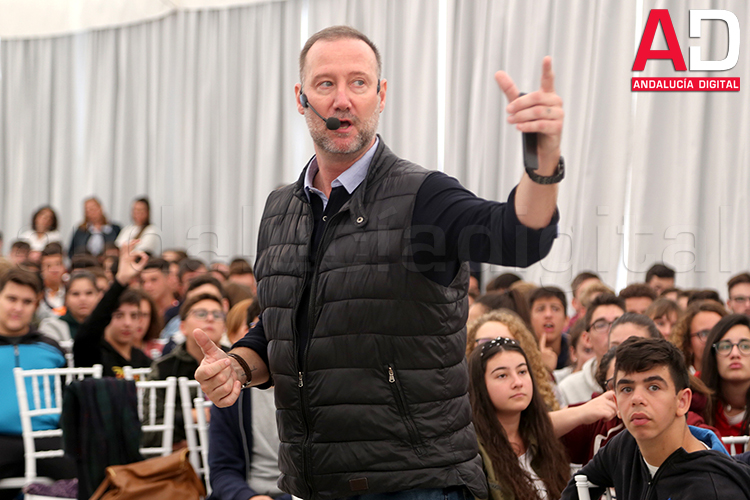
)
(403, 408)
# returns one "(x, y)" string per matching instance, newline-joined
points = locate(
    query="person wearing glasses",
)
(739, 294)
(603, 311)
(726, 371)
(204, 311)
(690, 332)
(522, 457)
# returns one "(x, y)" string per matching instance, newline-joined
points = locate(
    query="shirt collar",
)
(351, 178)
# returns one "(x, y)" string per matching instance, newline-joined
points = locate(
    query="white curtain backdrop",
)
(195, 109)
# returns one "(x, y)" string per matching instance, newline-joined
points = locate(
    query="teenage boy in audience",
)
(637, 297)
(106, 337)
(548, 307)
(21, 346)
(240, 271)
(604, 311)
(739, 294)
(204, 311)
(53, 269)
(155, 282)
(19, 252)
(660, 277)
(659, 456)
(189, 270)
(579, 283)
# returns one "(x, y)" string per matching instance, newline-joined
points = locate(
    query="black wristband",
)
(245, 368)
(552, 179)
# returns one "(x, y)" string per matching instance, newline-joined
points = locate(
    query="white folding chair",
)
(131, 373)
(733, 441)
(189, 390)
(67, 347)
(583, 485)
(46, 398)
(200, 404)
(148, 389)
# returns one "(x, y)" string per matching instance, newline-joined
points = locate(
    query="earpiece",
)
(303, 99)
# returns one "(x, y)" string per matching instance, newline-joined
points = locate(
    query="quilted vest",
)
(380, 402)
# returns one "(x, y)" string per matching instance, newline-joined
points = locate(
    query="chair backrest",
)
(202, 405)
(67, 347)
(131, 373)
(46, 399)
(189, 390)
(147, 390)
(583, 485)
(733, 441)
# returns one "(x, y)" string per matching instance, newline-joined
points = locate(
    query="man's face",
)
(623, 332)
(17, 306)
(660, 284)
(189, 276)
(246, 279)
(580, 309)
(155, 283)
(647, 402)
(601, 322)
(52, 270)
(207, 315)
(124, 324)
(340, 80)
(739, 299)
(18, 256)
(548, 317)
(637, 304)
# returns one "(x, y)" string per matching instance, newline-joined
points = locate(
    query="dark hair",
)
(502, 282)
(189, 303)
(710, 371)
(601, 370)
(637, 290)
(681, 331)
(236, 293)
(81, 274)
(253, 310)
(52, 249)
(189, 265)
(639, 320)
(205, 279)
(83, 261)
(157, 263)
(660, 271)
(670, 290)
(240, 266)
(549, 292)
(144, 200)
(662, 307)
(182, 254)
(637, 355)
(53, 225)
(156, 322)
(704, 294)
(535, 426)
(604, 299)
(130, 296)
(22, 277)
(578, 280)
(513, 300)
(575, 332)
(335, 33)
(736, 280)
(21, 246)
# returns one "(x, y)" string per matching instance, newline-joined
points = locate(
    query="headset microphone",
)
(332, 123)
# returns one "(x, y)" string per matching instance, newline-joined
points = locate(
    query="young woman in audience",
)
(150, 323)
(94, 232)
(43, 229)
(726, 371)
(664, 312)
(505, 323)
(691, 331)
(522, 457)
(81, 296)
(141, 229)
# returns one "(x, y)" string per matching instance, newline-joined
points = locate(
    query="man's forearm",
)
(536, 203)
(258, 369)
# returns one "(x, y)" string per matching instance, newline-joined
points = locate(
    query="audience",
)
(664, 312)
(579, 283)
(502, 283)
(548, 307)
(522, 457)
(43, 229)
(94, 232)
(660, 277)
(512, 300)
(19, 252)
(150, 324)
(141, 229)
(81, 297)
(580, 351)
(739, 294)
(240, 271)
(637, 297)
(155, 282)
(52, 270)
(726, 371)
(692, 328)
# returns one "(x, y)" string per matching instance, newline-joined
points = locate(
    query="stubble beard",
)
(365, 133)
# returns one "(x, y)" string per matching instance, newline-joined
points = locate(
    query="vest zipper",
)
(403, 409)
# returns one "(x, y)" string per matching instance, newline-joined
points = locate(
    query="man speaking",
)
(362, 279)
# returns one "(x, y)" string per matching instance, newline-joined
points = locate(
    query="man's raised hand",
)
(216, 375)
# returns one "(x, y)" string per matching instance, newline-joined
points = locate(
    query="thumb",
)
(507, 85)
(209, 349)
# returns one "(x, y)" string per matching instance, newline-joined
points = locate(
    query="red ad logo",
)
(674, 52)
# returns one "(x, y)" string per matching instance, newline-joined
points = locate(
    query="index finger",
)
(548, 76)
(543, 341)
(506, 84)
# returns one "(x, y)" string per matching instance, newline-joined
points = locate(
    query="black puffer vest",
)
(380, 403)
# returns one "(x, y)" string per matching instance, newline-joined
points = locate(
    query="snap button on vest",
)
(360, 220)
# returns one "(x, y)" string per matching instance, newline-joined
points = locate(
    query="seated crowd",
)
(631, 382)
